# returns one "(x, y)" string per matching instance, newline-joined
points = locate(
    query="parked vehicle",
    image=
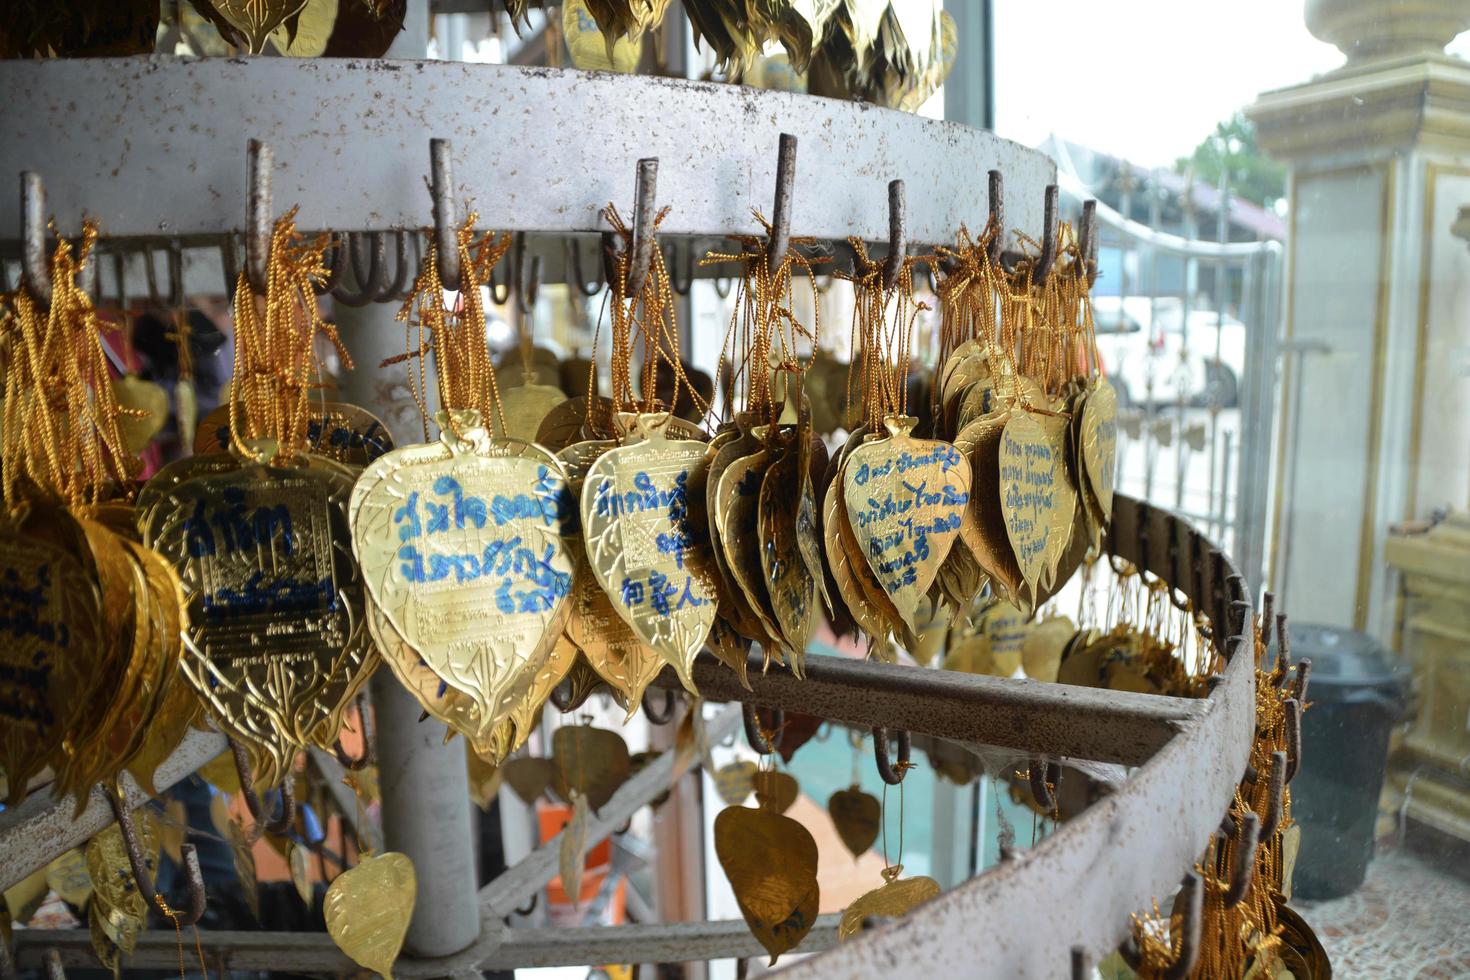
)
(1153, 361)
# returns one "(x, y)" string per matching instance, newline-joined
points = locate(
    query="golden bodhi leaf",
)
(367, 910)
(771, 863)
(592, 761)
(895, 897)
(776, 790)
(905, 500)
(645, 542)
(735, 781)
(857, 816)
(573, 851)
(1036, 493)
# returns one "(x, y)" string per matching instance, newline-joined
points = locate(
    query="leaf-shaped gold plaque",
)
(574, 850)
(252, 19)
(462, 550)
(1100, 443)
(529, 776)
(368, 908)
(645, 544)
(905, 500)
(300, 871)
(338, 431)
(726, 448)
(735, 781)
(775, 790)
(858, 817)
(592, 761)
(771, 863)
(788, 579)
(526, 406)
(895, 897)
(1036, 494)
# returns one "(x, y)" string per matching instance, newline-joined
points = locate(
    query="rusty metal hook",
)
(1299, 684)
(500, 291)
(1048, 255)
(528, 287)
(401, 285)
(35, 274)
(1283, 646)
(1248, 835)
(54, 969)
(996, 244)
(281, 824)
(753, 733)
(573, 263)
(781, 208)
(671, 261)
(143, 877)
(723, 285)
(645, 211)
(346, 254)
(1275, 794)
(1268, 604)
(897, 241)
(663, 717)
(1176, 576)
(1081, 964)
(886, 770)
(259, 163)
(530, 906)
(1043, 779)
(1293, 737)
(1192, 889)
(1087, 239)
(446, 224)
(230, 263)
(369, 741)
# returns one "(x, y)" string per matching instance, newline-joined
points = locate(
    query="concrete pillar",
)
(1374, 371)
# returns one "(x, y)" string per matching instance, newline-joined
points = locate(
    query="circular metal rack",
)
(156, 149)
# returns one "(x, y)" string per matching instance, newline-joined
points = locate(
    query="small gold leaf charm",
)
(776, 790)
(858, 817)
(1099, 434)
(574, 850)
(895, 897)
(771, 863)
(368, 908)
(592, 761)
(735, 781)
(529, 776)
(300, 877)
(905, 500)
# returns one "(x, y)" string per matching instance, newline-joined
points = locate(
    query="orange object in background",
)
(597, 865)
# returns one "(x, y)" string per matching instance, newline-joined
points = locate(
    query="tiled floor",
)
(1410, 920)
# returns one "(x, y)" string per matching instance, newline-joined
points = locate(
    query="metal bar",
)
(35, 274)
(645, 211)
(713, 172)
(314, 952)
(426, 815)
(446, 222)
(34, 832)
(1035, 716)
(507, 892)
(897, 240)
(781, 210)
(259, 164)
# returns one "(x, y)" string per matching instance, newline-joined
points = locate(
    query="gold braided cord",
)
(463, 371)
(275, 336)
(61, 439)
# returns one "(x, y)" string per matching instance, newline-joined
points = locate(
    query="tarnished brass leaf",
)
(771, 863)
(103, 947)
(368, 907)
(573, 851)
(858, 817)
(775, 790)
(300, 871)
(592, 761)
(735, 510)
(735, 781)
(788, 580)
(905, 498)
(147, 397)
(529, 776)
(1099, 433)
(980, 442)
(1041, 650)
(895, 897)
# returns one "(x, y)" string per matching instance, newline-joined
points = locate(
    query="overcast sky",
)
(1145, 79)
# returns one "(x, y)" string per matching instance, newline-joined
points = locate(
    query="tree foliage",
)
(1232, 148)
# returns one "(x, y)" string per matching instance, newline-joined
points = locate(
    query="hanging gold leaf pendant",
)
(857, 816)
(771, 863)
(461, 547)
(1036, 493)
(644, 542)
(591, 762)
(775, 790)
(735, 781)
(1099, 438)
(895, 897)
(368, 908)
(905, 501)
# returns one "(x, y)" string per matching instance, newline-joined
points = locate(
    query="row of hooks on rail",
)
(377, 279)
